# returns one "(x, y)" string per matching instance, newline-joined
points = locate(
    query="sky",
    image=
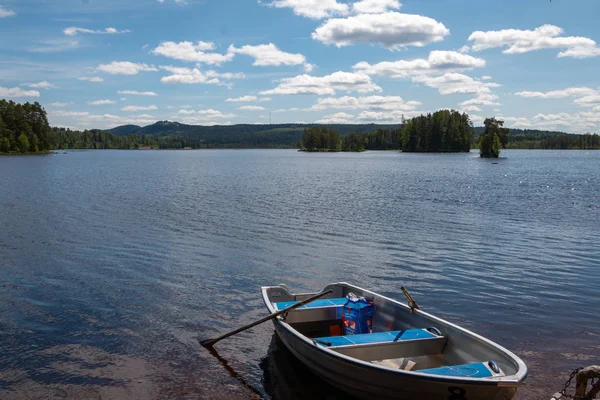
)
(105, 63)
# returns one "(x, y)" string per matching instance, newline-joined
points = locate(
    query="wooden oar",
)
(208, 343)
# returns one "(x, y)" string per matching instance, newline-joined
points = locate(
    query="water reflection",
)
(286, 378)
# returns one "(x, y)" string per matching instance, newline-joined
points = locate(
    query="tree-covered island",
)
(493, 138)
(444, 131)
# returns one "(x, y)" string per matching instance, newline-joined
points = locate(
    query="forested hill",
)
(177, 135)
(540, 139)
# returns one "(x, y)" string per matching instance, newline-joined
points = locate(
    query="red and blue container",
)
(357, 315)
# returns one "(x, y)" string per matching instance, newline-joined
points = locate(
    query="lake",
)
(114, 263)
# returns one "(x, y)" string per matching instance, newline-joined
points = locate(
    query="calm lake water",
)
(114, 263)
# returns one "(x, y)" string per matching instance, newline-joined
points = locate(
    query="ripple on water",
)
(115, 263)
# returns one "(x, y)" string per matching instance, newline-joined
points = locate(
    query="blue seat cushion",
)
(337, 302)
(372, 338)
(474, 370)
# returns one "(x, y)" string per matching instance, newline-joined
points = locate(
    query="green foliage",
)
(493, 138)
(4, 145)
(353, 142)
(97, 139)
(23, 143)
(24, 128)
(383, 139)
(321, 138)
(442, 131)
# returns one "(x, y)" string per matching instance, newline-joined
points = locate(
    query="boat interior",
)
(400, 339)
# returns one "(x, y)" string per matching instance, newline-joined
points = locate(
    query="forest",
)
(24, 128)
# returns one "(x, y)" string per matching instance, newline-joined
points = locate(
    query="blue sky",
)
(103, 63)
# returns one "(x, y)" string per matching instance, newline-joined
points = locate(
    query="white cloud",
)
(102, 121)
(125, 68)
(337, 118)
(72, 114)
(95, 79)
(468, 109)
(370, 103)
(452, 83)
(17, 92)
(544, 37)
(437, 62)
(251, 108)
(136, 93)
(392, 30)
(186, 112)
(180, 2)
(204, 117)
(73, 30)
(188, 51)
(315, 9)
(40, 85)
(59, 104)
(247, 99)
(225, 75)
(325, 85)
(193, 76)
(482, 99)
(559, 94)
(375, 6)
(54, 45)
(6, 13)
(584, 96)
(387, 116)
(486, 78)
(269, 55)
(580, 52)
(589, 100)
(210, 113)
(101, 102)
(577, 122)
(139, 108)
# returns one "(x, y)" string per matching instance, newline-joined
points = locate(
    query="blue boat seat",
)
(385, 345)
(473, 370)
(337, 302)
(373, 338)
(318, 310)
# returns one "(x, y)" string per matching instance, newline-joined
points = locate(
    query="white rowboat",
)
(409, 355)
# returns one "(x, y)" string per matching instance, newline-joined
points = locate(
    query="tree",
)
(320, 138)
(493, 138)
(353, 142)
(23, 143)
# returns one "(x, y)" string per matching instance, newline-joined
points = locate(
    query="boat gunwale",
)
(500, 381)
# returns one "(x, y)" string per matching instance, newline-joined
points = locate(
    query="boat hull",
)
(352, 371)
(362, 382)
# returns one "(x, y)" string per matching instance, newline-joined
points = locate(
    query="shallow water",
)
(113, 263)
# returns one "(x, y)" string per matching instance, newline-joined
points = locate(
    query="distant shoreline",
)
(60, 151)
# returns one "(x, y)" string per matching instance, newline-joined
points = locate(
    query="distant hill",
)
(235, 136)
(125, 130)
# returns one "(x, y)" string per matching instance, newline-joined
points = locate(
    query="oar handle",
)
(411, 302)
(211, 342)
